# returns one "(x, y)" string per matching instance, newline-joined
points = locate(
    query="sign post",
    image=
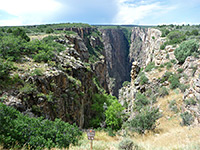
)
(90, 134)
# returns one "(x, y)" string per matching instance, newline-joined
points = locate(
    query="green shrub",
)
(145, 119)
(174, 80)
(165, 32)
(49, 30)
(143, 79)
(11, 47)
(127, 144)
(175, 37)
(43, 56)
(180, 70)
(166, 76)
(150, 66)
(168, 66)
(187, 118)
(187, 33)
(98, 102)
(140, 101)
(173, 61)
(190, 101)
(19, 131)
(28, 88)
(186, 49)
(173, 106)
(163, 91)
(21, 33)
(167, 56)
(195, 32)
(114, 115)
(126, 83)
(37, 72)
(162, 66)
(162, 47)
(153, 37)
(183, 87)
(5, 68)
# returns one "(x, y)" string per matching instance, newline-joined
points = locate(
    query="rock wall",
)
(116, 50)
(145, 42)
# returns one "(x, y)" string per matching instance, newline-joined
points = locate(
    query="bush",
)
(165, 32)
(162, 47)
(5, 68)
(21, 33)
(180, 70)
(145, 119)
(173, 106)
(169, 65)
(11, 47)
(163, 91)
(140, 101)
(143, 79)
(43, 56)
(173, 61)
(150, 66)
(127, 144)
(28, 88)
(183, 87)
(190, 101)
(99, 100)
(49, 30)
(175, 37)
(187, 118)
(126, 83)
(195, 32)
(186, 49)
(174, 80)
(19, 131)
(187, 33)
(114, 115)
(37, 72)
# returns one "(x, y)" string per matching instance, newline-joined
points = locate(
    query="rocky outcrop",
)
(134, 71)
(144, 45)
(116, 50)
(64, 91)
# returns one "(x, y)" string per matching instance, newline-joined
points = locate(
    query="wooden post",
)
(91, 144)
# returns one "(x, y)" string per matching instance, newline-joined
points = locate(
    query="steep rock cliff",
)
(144, 43)
(116, 50)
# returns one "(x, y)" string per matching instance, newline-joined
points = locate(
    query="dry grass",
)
(169, 135)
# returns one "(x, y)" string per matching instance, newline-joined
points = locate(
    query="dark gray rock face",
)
(116, 50)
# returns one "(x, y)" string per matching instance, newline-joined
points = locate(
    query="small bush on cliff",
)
(126, 83)
(190, 101)
(174, 80)
(150, 66)
(140, 101)
(143, 79)
(19, 131)
(186, 49)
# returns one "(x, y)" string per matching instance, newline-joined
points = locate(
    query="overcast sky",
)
(139, 12)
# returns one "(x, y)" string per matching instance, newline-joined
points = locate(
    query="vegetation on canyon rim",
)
(108, 114)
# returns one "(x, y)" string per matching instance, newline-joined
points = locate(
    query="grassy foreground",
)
(169, 134)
